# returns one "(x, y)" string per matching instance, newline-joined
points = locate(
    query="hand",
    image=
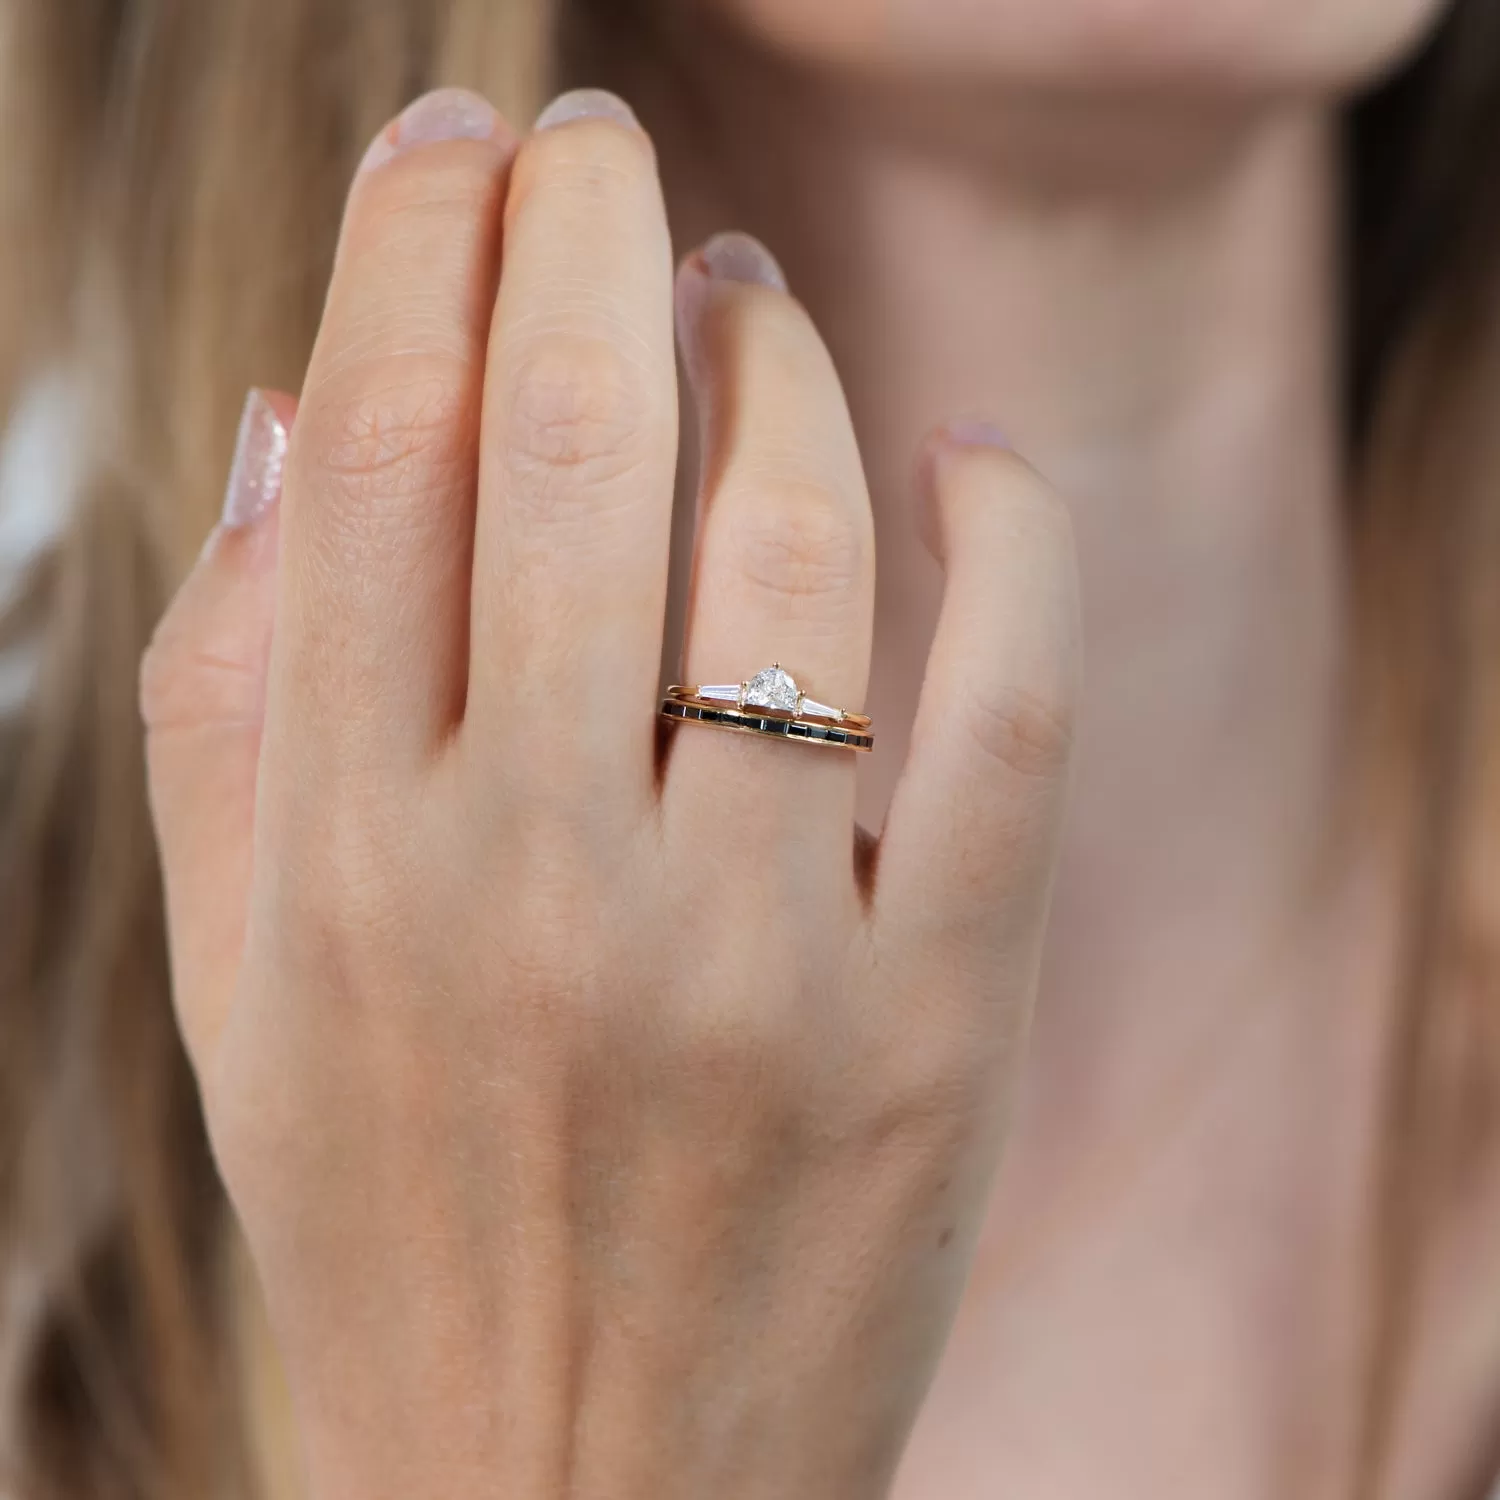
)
(598, 1127)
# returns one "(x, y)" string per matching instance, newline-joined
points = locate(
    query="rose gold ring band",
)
(769, 703)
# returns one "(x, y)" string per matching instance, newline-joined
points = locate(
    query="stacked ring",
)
(768, 703)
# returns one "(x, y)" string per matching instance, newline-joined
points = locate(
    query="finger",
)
(965, 862)
(785, 564)
(377, 519)
(203, 683)
(579, 449)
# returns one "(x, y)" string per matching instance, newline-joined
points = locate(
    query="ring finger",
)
(785, 563)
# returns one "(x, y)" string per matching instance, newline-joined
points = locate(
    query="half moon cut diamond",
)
(772, 688)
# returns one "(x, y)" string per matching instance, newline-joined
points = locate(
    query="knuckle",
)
(161, 689)
(184, 685)
(921, 1091)
(423, 200)
(736, 1059)
(1024, 731)
(593, 162)
(198, 672)
(577, 416)
(388, 430)
(732, 1036)
(798, 540)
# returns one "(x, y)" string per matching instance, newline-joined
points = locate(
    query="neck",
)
(1144, 297)
(1145, 300)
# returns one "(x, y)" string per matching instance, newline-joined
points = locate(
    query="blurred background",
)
(169, 204)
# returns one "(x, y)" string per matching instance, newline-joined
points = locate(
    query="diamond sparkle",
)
(772, 688)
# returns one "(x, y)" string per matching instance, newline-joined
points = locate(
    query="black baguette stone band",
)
(753, 723)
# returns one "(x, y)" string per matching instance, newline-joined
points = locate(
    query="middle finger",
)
(578, 451)
(785, 564)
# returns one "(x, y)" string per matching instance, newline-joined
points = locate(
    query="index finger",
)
(377, 509)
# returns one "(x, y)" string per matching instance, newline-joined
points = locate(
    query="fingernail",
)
(739, 257)
(973, 432)
(259, 461)
(443, 115)
(586, 104)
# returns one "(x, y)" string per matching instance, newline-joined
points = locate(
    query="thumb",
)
(202, 699)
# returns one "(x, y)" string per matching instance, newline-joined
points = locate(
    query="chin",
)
(1269, 45)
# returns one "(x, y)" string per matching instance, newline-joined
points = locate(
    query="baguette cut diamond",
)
(812, 710)
(772, 688)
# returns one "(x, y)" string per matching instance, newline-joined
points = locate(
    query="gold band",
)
(773, 692)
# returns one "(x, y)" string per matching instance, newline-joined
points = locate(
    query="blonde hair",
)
(177, 174)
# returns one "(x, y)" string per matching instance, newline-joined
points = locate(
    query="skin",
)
(1142, 281)
(1097, 45)
(573, 1157)
(552, 1177)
